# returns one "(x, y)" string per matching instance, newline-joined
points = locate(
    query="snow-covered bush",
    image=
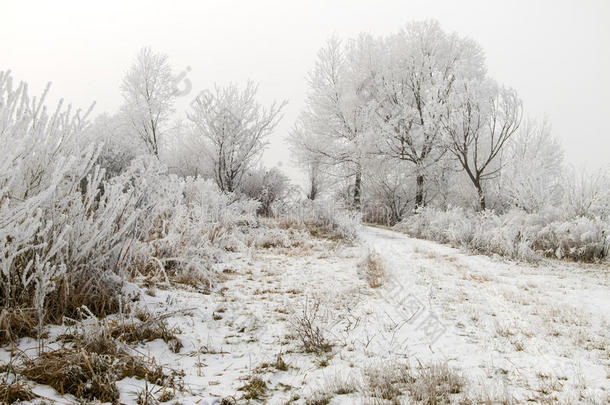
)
(70, 230)
(515, 234)
(55, 220)
(186, 223)
(587, 194)
(321, 218)
(269, 187)
(342, 222)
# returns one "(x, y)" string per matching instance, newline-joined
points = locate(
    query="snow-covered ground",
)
(513, 331)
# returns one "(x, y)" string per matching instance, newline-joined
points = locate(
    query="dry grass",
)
(15, 391)
(149, 330)
(307, 329)
(374, 270)
(435, 383)
(278, 364)
(316, 229)
(90, 368)
(100, 295)
(385, 382)
(191, 277)
(430, 384)
(87, 374)
(255, 389)
(16, 323)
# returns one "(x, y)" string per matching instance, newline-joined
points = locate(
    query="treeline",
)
(413, 119)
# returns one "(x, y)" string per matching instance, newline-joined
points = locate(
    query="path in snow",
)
(515, 326)
(529, 332)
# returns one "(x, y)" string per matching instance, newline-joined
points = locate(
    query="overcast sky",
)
(555, 53)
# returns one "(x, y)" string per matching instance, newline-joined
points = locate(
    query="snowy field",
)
(387, 223)
(507, 332)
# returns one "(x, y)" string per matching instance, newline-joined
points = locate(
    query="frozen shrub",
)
(188, 224)
(49, 199)
(307, 327)
(579, 238)
(515, 234)
(342, 222)
(269, 187)
(322, 219)
(372, 269)
(69, 229)
(272, 238)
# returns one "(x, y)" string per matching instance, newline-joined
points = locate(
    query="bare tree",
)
(149, 94)
(478, 128)
(234, 127)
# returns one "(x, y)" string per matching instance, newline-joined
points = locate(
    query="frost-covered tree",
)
(335, 123)
(117, 149)
(479, 122)
(149, 95)
(234, 127)
(534, 172)
(587, 194)
(388, 191)
(421, 66)
(268, 186)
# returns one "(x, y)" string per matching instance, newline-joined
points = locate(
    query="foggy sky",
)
(556, 54)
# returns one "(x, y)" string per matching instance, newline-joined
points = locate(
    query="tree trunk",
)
(357, 189)
(419, 193)
(481, 195)
(313, 190)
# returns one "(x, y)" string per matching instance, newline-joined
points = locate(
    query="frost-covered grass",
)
(515, 234)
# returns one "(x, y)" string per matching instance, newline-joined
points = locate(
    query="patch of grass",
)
(193, 278)
(101, 295)
(16, 323)
(386, 381)
(320, 397)
(14, 391)
(309, 332)
(374, 270)
(278, 364)
(256, 388)
(152, 329)
(83, 374)
(337, 385)
(430, 384)
(91, 374)
(435, 383)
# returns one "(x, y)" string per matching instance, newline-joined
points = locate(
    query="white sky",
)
(555, 53)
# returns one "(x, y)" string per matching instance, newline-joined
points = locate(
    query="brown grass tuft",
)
(374, 270)
(307, 329)
(91, 368)
(255, 389)
(100, 295)
(16, 323)
(152, 329)
(11, 392)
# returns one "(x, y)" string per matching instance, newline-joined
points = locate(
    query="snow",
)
(509, 328)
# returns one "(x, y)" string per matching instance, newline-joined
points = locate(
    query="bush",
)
(269, 187)
(71, 230)
(515, 234)
(306, 325)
